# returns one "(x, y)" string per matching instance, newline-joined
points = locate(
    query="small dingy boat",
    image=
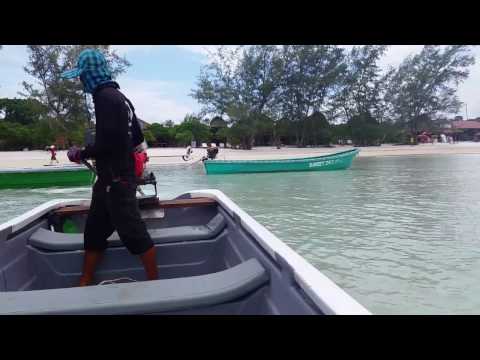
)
(213, 258)
(338, 161)
(73, 175)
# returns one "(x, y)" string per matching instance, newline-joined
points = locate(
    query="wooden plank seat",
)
(160, 204)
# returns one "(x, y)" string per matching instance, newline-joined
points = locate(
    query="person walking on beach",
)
(53, 154)
(114, 204)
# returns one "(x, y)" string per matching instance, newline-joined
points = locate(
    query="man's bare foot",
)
(149, 260)
(85, 281)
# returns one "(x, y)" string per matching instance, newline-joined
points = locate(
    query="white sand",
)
(166, 156)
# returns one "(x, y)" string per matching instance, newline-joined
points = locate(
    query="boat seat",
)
(146, 297)
(55, 241)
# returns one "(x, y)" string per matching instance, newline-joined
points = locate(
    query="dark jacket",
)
(113, 148)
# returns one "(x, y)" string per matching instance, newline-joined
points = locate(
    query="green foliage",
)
(64, 100)
(162, 134)
(235, 135)
(260, 95)
(218, 123)
(425, 85)
(149, 137)
(184, 137)
(169, 124)
(27, 124)
(76, 135)
(223, 133)
(361, 85)
(340, 133)
(53, 107)
(394, 134)
(318, 130)
(365, 130)
(14, 136)
(264, 130)
(42, 134)
(217, 129)
(310, 75)
(241, 83)
(22, 111)
(182, 134)
(264, 81)
(289, 83)
(192, 128)
(243, 129)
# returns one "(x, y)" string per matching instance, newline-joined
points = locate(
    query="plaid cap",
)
(92, 68)
(91, 61)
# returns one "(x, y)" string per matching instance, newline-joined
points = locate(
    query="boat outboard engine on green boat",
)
(212, 152)
(188, 154)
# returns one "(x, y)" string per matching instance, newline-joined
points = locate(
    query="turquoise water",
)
(400, 234)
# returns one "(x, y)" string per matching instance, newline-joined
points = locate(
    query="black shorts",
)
(116, 208)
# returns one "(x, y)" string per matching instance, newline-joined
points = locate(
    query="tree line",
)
(318, 94)
(303, 95)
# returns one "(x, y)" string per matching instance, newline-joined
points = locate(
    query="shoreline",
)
(172, 156)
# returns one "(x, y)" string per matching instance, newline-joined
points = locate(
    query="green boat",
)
(338, 161)
(64, 176)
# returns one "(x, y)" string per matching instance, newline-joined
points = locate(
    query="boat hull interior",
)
(208, 264)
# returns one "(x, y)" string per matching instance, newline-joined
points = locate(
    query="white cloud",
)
(12, 60)
(13, 55)
(397, 53)
(207, 51)
(199, 49)
(10, 91)
(468, 91)
(154, 102)
(128, 49)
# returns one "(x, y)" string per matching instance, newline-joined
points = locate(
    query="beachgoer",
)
(53, 154)
(114, 204)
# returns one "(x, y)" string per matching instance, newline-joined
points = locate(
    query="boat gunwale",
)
(326, 294)
(42, 170)
(341, 154)
(19, 222)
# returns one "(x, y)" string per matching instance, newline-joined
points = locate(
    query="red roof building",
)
(466, 124)
(466, 130)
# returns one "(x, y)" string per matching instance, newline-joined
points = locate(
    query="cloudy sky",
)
(161, 77)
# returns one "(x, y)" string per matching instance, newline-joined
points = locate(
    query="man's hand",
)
(74, 155)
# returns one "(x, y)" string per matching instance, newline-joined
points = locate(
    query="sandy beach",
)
(172, 156)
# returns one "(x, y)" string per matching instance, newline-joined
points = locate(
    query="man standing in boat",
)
(114, 204)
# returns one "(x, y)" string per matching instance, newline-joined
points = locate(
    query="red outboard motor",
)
(140, 151)
(141, 160)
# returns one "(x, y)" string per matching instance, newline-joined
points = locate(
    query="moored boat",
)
(338, 161)
(213, 258)
(45, 177)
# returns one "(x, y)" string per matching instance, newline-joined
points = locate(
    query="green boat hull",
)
(338, 161)
(35, 178)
